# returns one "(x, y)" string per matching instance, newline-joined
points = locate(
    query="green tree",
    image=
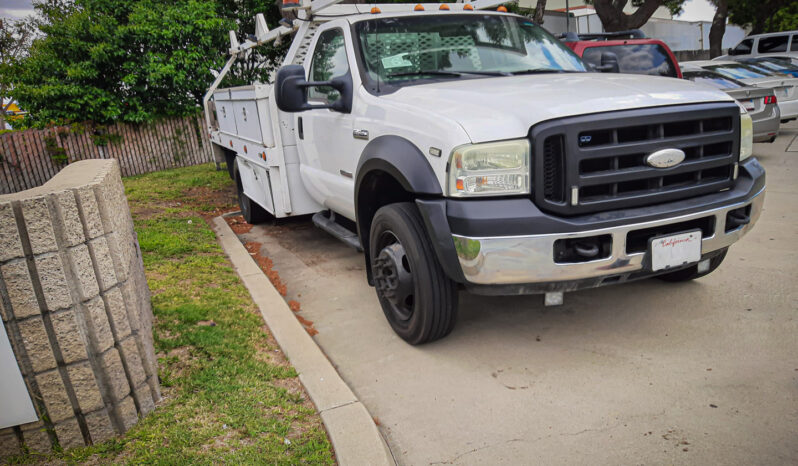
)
(108, 60)
(764, 15)
(15, 39)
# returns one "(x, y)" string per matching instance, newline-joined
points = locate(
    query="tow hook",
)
(588, 250)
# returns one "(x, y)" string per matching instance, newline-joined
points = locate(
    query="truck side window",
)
(773, 44)
(794, 46)
(743, 48)
(329, 61)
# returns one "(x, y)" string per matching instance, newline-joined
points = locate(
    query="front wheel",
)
(418, 299)
(691, 273)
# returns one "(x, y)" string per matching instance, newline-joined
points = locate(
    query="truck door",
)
(325, 141)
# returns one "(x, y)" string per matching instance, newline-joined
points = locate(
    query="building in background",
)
(690, 39)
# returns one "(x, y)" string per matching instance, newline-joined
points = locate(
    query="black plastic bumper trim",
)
(519, 217)
(434, 214)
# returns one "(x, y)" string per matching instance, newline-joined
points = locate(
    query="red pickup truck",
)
(624, 52)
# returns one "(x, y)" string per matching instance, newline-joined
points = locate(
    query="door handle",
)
(299, 129)
(360, 134)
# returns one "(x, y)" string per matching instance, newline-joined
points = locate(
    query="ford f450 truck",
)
(467, 148)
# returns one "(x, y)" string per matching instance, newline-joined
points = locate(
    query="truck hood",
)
(506, 107)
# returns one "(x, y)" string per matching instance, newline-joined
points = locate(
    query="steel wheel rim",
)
(393, 277)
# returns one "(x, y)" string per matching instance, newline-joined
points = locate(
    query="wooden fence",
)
(30, 158)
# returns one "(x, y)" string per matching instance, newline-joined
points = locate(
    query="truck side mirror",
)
(609, 63)
(291, 90)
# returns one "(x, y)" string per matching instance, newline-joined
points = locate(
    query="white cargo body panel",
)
(256, 184)
(224, 112)
(242, 112)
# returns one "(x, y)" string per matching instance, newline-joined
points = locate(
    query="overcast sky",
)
(15, 8)
(694, 10)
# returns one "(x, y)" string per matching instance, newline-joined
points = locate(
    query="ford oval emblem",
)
(665, 158)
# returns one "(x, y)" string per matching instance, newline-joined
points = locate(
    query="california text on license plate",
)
(675, 250)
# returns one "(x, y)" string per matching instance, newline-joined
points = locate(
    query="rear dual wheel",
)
(250, 210)
(418, 299)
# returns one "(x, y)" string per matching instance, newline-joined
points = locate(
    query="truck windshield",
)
(650, 59)
(407, 49)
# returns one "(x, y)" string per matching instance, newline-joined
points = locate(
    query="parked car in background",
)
(777, 65)
(760, 102)
(785, 88)
(628, 52)
(764, 45)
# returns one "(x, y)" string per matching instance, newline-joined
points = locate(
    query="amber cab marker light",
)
(444, 7)
(375, 10)
(502, 9)
(468, 7)
(245, 149)
(419, 7)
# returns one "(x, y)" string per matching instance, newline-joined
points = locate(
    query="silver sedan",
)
(760, 102)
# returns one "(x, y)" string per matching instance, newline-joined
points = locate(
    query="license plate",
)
(749, 104)
(675, 250)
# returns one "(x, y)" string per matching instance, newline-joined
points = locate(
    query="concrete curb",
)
(351, 428)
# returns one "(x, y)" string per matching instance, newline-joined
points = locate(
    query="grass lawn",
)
(229, 394)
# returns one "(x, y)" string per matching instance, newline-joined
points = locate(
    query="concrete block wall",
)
(76, 307)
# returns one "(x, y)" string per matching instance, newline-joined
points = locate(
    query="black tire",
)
(691, 273)
(230, 161)
(250, 210)
(418, 299)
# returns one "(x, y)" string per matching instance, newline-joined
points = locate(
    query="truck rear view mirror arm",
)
(292, 95)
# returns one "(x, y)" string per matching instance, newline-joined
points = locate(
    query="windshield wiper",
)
(455, 74)
(422, 73)
(540, 71)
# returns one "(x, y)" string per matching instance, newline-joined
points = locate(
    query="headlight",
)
(491, 169)
(746, 134)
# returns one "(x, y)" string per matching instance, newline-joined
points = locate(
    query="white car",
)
(774, 44)
(784, 87)
(471, 150)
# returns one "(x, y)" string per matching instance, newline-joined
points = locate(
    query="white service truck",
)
(467, 148)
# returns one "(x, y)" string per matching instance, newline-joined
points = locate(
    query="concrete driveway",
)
(644, 373)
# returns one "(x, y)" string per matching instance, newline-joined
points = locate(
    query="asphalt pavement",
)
(643, 373)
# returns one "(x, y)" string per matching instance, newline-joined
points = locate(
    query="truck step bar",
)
(337, 230)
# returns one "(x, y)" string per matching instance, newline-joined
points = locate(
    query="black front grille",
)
(553, 187)
(597, 162)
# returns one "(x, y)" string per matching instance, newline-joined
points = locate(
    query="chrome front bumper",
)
(530, 259)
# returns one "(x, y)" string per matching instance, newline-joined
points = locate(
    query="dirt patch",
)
(238, 224)
(267, 266)
(144, 213)
(212, 202)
